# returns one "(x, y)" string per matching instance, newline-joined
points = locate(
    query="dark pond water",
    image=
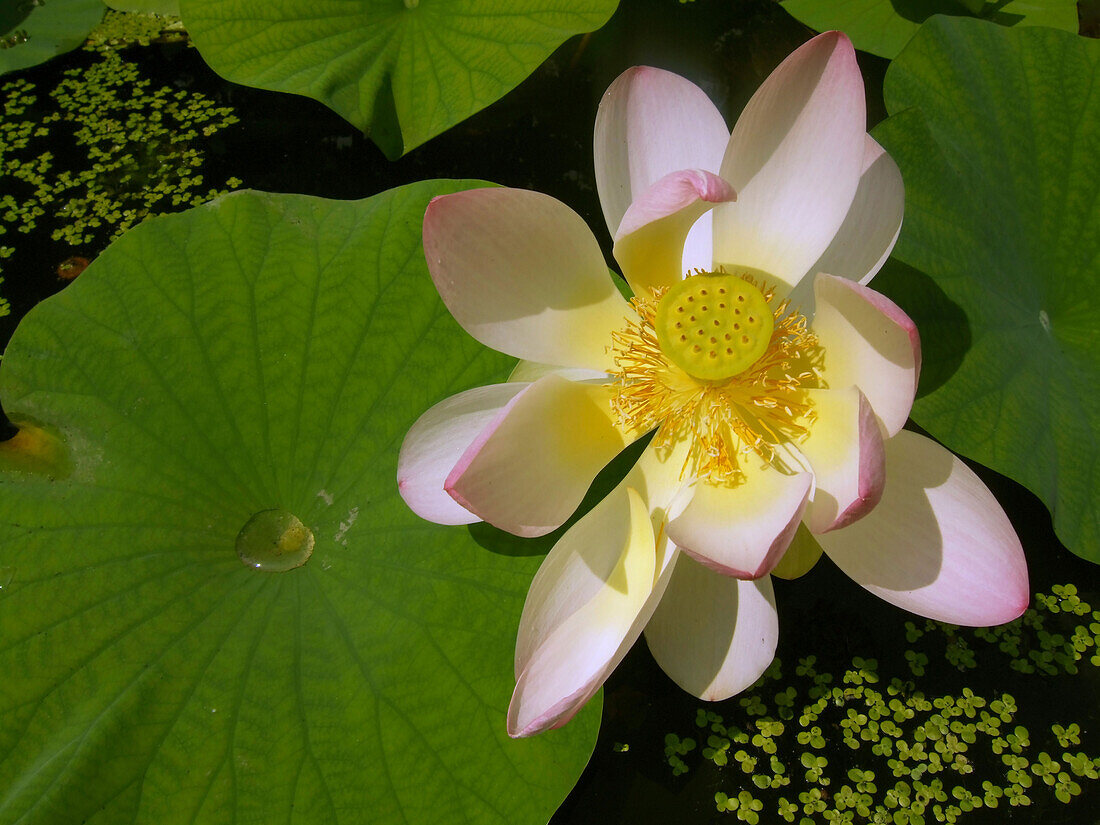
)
(540, 137)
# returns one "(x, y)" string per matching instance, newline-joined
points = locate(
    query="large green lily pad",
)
(401, 71)
(259, 353)
(883, 27)
(162, 7)
(33, 33)
(997, 133)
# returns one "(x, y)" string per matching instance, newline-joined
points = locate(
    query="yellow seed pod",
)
(714, 326)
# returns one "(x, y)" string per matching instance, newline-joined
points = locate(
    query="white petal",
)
(652, 122)
(873, 222)
(794, 158)
(846, 452)
(714, 636)
(938, 544)
(530, 371)
(869, 342)
(743, 530)
(522, 273)
(529, 468)
(699, 246)
(649, 245)
(586, 606)
(435, 443)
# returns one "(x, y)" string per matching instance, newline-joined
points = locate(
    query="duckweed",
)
(138, 150)
(925, 758)
(121, 30)
(675, 749)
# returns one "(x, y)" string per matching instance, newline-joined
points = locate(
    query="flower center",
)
(714, 326)
(714, 361)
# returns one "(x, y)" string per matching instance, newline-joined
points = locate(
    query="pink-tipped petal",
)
(521, 272)
(587, 605)
(650, 243)
(870, 343)
(435, 443)
(743, 530)
(845, 450)
(938, 544)
(870, 229)
(529, 468)
(652, 122)
(794, 158)
(714, 636)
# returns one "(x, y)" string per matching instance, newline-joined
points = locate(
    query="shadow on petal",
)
(498, 541)
(938, 544)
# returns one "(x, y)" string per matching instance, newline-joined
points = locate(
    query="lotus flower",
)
(774, 382)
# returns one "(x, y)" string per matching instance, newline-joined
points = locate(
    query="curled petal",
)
(938, 544)
(529, 468)
(743, 530)
(650, 243)
(870, 229)
(587, 605)
(794, 158)
(436, 442)
(650, 123)
(845, 450)
(869, 342)
(521, 272)
(714, 636)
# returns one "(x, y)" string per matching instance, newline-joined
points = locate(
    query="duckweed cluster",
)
(120, 30)
(101, 151)
(865, 748)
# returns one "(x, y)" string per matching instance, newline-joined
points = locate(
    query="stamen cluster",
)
(754, 411)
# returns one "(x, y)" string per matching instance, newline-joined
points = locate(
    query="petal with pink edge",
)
(529, 468)
(649, 245)
(743, 530)
(870, 229)
(714, 636)
(521, 272)
(436, 442)
(869, 342)
(938, 544)
(652, 122)
(794, 158)
(845, 450)
(586, 606)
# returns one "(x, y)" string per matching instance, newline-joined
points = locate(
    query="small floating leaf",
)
(401, 72)
(44, 31)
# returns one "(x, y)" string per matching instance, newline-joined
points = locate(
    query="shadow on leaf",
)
(943, 325)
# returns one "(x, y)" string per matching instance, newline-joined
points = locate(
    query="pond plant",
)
(766, 421)
(287, 533)
(868, 748)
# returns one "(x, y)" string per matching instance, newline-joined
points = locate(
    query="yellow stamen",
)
(753, 410)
